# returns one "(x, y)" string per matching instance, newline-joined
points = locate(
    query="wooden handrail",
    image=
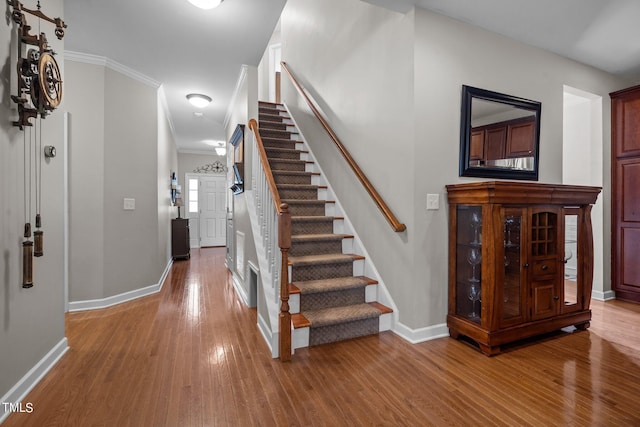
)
(253, 125)
(284, 243)
(390, 217)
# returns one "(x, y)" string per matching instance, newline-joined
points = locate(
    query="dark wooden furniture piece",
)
(625, 197)
(510, 245)
(180, 246)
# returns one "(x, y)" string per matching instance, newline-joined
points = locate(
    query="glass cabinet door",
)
(513, 283)
(572, 293)
(469, 262)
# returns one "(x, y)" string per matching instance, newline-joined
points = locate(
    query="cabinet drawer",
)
(545, 267)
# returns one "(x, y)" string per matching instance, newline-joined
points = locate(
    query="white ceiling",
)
(191, 50)
(184, 48)
(602, 33)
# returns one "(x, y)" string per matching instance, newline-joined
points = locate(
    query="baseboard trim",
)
(96, 304)
(603, 296)
(269, 336)
(239, 289)
(19, 391)
(415, 336)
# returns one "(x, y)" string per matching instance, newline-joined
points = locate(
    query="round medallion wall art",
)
(38, 93)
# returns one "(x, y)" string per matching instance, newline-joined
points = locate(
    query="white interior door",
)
(212, 197)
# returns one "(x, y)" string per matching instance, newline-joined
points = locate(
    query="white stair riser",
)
(300, 338)
(294, 303)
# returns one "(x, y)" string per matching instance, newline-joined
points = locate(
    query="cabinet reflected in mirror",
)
(499, 135)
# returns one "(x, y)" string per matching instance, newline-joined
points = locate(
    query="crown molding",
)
(201, 152)
(87, 58)
(162, 98)
(241, 78)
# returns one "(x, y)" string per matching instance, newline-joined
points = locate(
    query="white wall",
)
(583, 165)
(31, 320)
(356, 60)
(188, 162)
(244, 109)
(390, 86)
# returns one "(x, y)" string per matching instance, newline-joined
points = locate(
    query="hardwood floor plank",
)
(192, 355)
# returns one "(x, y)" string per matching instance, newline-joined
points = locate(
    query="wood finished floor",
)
(192, 356)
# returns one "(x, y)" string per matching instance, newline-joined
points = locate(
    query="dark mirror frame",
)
(468, 94)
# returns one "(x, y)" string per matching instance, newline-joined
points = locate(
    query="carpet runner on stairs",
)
(332, 297)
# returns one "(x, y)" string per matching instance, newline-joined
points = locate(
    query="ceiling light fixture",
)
(206, 4)
(198, 100)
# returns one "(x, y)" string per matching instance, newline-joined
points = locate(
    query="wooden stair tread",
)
(300, 186)
(323, 259)
(341, 314)
(383, 308)
(306, 201)
(315, 218)
(284, 150)
(262, 116)
(329, 285)
(292, 161)
(285, 172)
(319, 237)
(299, 321)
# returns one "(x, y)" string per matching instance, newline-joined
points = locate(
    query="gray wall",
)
(167, 163)
(121, 147)
(86, 179)
(31, 320)
(390, 86)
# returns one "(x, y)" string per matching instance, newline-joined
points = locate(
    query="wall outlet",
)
(129, 204)
(433, 202)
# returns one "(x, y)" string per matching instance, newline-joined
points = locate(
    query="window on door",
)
(193, 195)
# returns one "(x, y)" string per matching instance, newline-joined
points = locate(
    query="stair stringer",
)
(379, 292)
(268, 327)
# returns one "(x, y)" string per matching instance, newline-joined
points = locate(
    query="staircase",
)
(331, 299)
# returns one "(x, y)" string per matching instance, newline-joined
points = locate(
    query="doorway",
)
(206, 209)
(275, 56)
(582, 164)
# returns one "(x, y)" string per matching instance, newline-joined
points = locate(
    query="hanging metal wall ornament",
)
(39, 92)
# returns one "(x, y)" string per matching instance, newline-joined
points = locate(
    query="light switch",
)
(433, 202)
(129, 204)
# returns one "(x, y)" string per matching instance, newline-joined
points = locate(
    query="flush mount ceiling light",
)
(206, 4)
(198, 100)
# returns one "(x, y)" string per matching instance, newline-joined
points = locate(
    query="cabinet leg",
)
(454, 334)
(489, 350)
(583, 326)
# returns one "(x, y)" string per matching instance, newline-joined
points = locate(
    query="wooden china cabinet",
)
(520, 260)
(625, 193)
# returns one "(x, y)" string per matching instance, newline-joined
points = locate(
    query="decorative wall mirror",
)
(499, 135)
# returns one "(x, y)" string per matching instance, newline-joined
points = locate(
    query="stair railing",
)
(386, 211)
(275, 230)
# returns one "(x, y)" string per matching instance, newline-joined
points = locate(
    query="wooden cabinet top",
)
(508, 192)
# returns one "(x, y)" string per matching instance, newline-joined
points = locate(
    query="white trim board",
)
(603, 296)
(96, 304)
(241, 78)
(20, 390)
(415, 336)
